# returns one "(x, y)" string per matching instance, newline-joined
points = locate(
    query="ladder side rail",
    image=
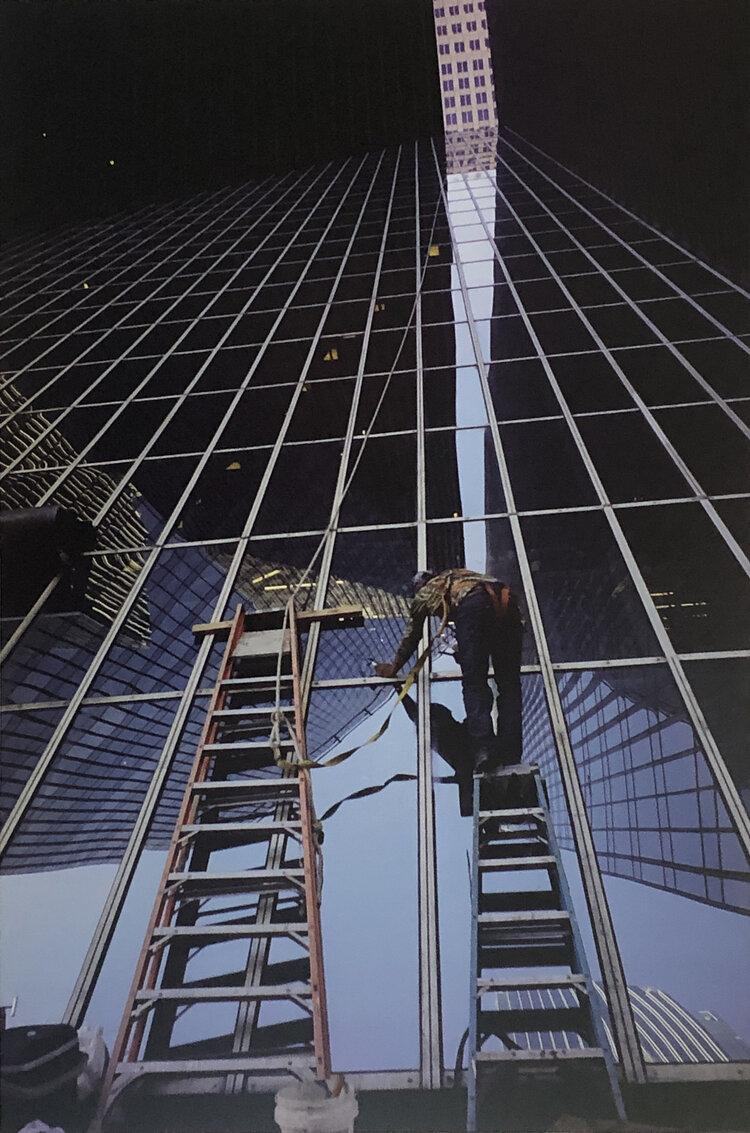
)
(310, 851)
(579, 953)
(474, 882)
(127, 1046)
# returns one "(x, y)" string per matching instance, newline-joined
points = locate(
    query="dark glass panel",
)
(677, 319)
(642, 283)
(299, 322)
(589, 383)
(731, 309)
(535, 295)
(698, 586)
(289, 503)
(658, 377)
(395, 349)
(723, 364)
(619, 326)
(711, 445)
(228, 369)
(282, 362)
(631, 461)
(193, 425)
(736, 515)
(220, 500)
(132, 430)
(521, 389)
(384, 485)
(589, 605)
(117, 385)
(257, 417)
(556, 477)
(322, 410)
(505, 337)
(439, 345)
(561, 332)
(398, 410)
(25, 737)
(721, 689)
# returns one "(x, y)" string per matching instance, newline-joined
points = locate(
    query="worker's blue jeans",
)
(480, 637)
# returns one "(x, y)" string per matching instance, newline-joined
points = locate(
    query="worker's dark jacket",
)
(441, 595)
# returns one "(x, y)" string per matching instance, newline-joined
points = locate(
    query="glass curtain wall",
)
(371, 367)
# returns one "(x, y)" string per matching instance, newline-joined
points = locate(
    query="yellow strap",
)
(309, 764)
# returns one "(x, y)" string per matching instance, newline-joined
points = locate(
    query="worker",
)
(488, 625)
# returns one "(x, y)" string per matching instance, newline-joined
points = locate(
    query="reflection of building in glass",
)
(467, 85)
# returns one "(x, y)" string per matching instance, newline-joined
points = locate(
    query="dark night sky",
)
(186, 94)
(645, 98)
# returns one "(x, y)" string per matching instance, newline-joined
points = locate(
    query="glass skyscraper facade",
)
(396, 366)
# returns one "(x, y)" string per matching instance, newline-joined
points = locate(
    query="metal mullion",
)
(112, 232)
(672, 347)
(430, 989)
(124, 354)
(40, 770)
(601, 920)
(632, 215)
(121, 883)
(125, 269)
(725, 784)
(326, 561)
(701, 495)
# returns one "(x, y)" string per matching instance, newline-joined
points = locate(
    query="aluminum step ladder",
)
(537, 1048)
(229, 989)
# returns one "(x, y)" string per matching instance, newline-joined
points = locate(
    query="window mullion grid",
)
(124, 354)
(633, 306)
(725, 783)
(88, 975)
(632, 215)
(118, 298)
(630, 247)
(154, 218)
(601, 919)
(39, 771)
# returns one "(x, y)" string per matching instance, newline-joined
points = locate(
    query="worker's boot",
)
(485, 758)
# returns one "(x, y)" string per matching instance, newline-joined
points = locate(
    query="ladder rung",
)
(231, 882)
(227, 932)
(523, 1020)
(238, 746)
(531, 983)
(544, 861)
(238, 713)
(201, 994)
(240, 827)
(268, 679)
(532, 916)
(235, 1064)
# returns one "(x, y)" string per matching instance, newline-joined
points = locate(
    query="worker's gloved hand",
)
(385, 669)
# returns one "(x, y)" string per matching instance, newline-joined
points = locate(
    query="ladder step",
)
(210, 994)
(260, 827)
(544, 861)
(528, 917)
(229, 932)
(580, 1054)
(532, 983)
(251, 880)
(523, 1020)
(235, 1064)
(508, 815)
